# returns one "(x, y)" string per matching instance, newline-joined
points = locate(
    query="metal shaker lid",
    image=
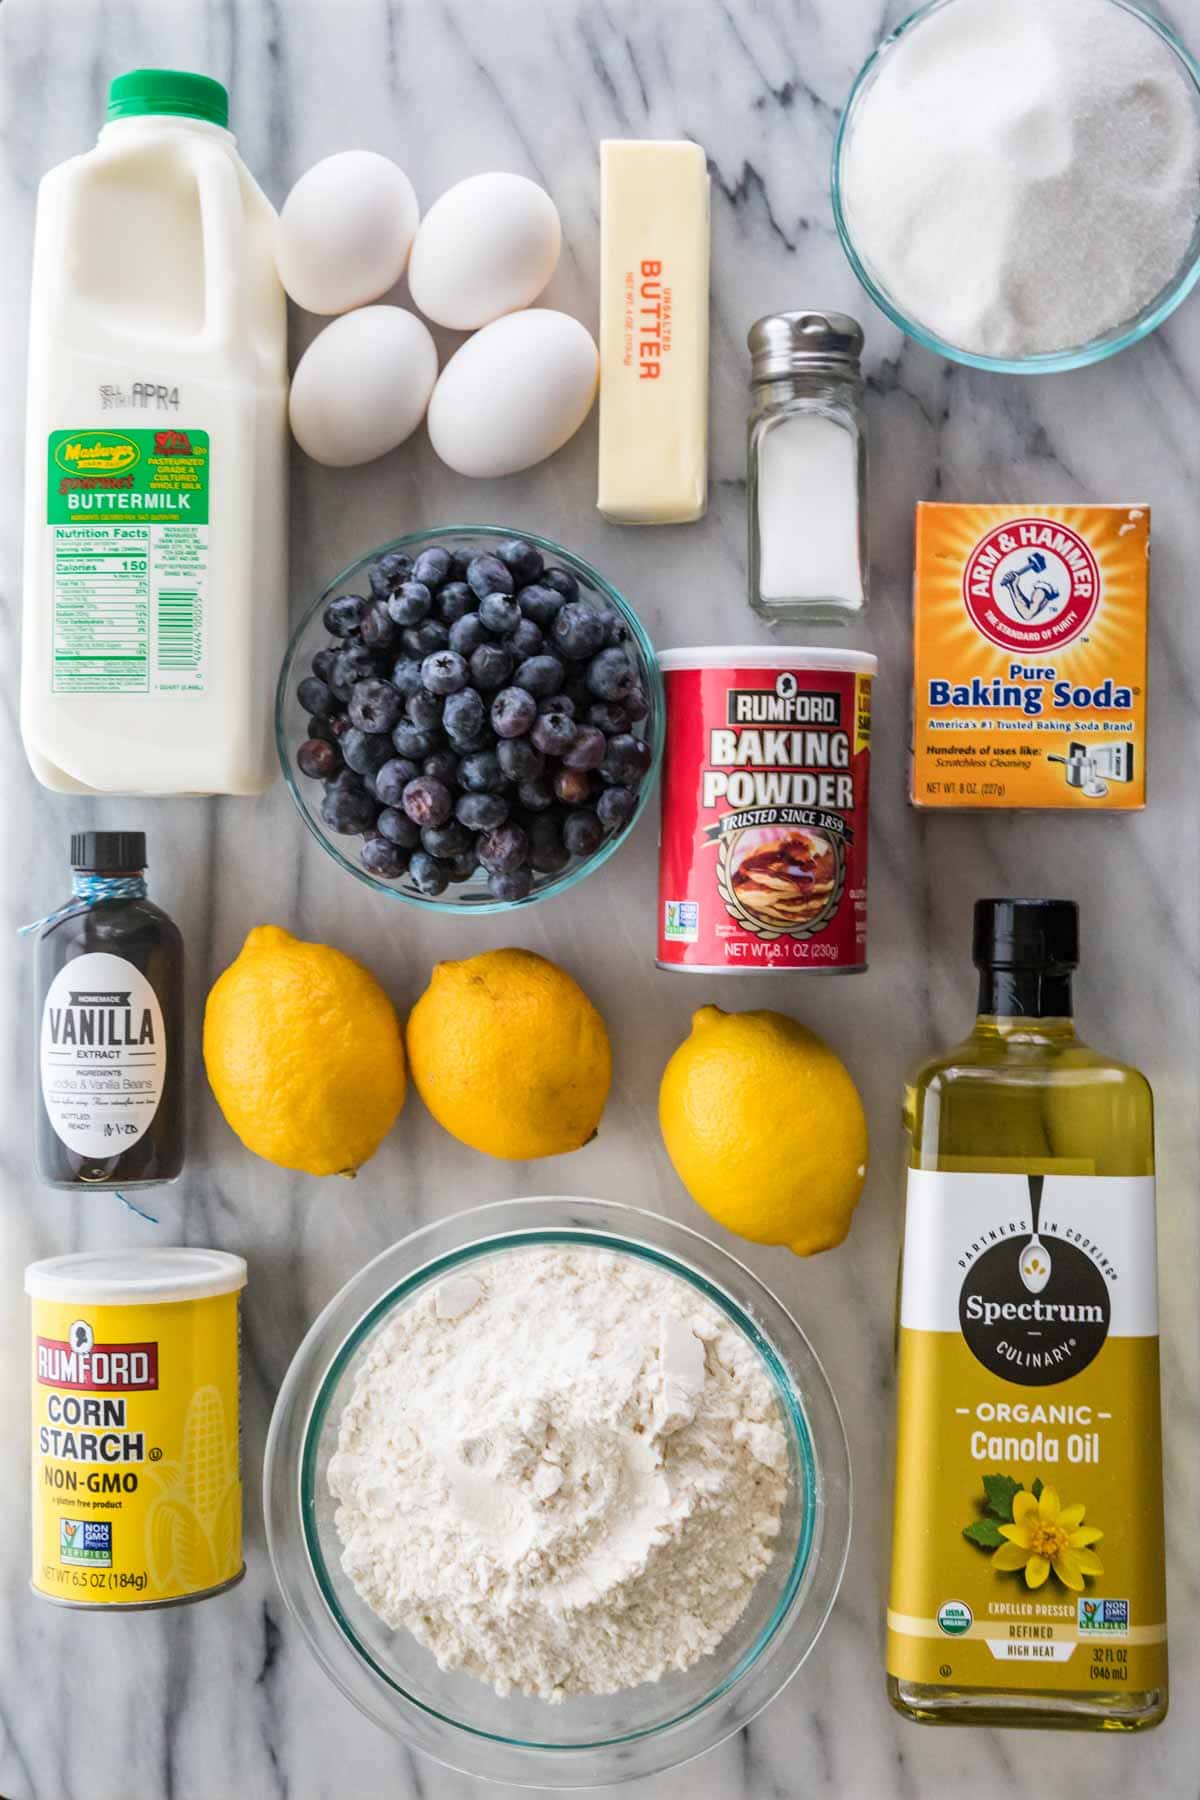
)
(798, 343)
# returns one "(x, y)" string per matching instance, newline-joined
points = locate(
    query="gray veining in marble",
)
(209, 1701)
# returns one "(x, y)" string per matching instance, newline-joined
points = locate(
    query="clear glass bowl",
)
(1049, 362)
(290, 719)
(582, 1742)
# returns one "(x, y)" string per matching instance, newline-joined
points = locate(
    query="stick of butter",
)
(654, 238)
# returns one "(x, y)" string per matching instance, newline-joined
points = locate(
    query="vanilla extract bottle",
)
(110, 1026)
(1028, 1583)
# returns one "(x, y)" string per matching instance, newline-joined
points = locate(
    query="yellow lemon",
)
(304, 1054)
(765, 1128)
(510, 1055)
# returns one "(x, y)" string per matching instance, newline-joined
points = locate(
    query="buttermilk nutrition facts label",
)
(128, 528)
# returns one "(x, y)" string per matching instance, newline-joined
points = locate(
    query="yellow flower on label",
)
(1047, 1535)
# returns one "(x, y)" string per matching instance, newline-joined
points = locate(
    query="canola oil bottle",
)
(1027, 1583)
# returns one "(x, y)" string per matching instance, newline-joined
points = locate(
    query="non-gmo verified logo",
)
(954, 1617)
(85, 1541)
(1096, 1616)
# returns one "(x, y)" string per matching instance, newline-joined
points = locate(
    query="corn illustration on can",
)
(136, 1376)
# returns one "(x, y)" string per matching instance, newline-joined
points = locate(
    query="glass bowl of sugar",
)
(558, 1492)
(1017, 185)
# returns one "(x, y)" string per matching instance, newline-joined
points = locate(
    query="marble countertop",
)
(203, 1702)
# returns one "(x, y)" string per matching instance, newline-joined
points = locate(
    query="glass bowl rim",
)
(655, 723)
(1046, 362)
(798, 1378)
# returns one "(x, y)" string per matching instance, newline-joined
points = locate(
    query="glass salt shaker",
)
(807, 467)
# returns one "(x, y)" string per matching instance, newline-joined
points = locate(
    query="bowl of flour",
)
(1017, 183)
(558, 1492)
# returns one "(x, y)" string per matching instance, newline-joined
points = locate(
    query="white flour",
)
(1025, 174)
(563, 1473)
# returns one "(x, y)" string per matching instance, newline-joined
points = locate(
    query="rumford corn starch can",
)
(763, 851)
(137, 1478)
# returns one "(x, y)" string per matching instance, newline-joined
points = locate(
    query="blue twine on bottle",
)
(89, 890)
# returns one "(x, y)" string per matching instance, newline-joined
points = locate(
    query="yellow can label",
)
(137, 1480)
(1028, 1543)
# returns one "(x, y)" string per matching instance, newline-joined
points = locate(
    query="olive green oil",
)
(1027, 1572)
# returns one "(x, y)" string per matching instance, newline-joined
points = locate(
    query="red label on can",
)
(763, 856)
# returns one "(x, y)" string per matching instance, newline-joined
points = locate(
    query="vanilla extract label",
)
(103, 1055)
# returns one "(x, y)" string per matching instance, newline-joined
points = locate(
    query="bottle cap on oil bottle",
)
(1026, 934)
(108, 850)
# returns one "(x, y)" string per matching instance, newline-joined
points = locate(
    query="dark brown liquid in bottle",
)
(111, 1039)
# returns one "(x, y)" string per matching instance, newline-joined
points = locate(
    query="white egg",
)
(363, 385)
(514, 393)
(345, 231)
(487, 247)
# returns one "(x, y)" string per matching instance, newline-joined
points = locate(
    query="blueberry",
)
(523, 559)
(582, 832)
(433, 566)
(461, 867)
(444, 672)
(455, 602)
(409, 740)
(488, 575)
(636, 703)
(481, 812)
(427, 875)
(464, 717)
(365, 751)
(491, 666)
(625, 761)
(500, 614)
(519, 759)
(547, 852)
(611, 675)
(513, 712)
(558, 703)
(354, 663)
(411, 603)
(466, 634)
(510, 884)
(442, 765)
(536, 794)
(539, 676)
(339, 726)
(553, 733)
(323, 728)
(589, 749)
(378, 627)
(616, 631)
(317, 759)
(406, 675)
(577, 631)
(315, 697)
(387, 572)
(392, 777)
(424, 709)
(381, 857)
(323, 661)
(428, 801)
(610, 717)
(422, 640)
(562, 581)
(446, 840)
(540, 604)
(342, 615)
(503, 849)
(573, 786)
(346, 805)
(374, 705)
(399, 828)
(527, 639)
(615, 807)
(481, 772)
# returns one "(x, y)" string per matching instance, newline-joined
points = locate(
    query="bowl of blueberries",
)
(470, 717)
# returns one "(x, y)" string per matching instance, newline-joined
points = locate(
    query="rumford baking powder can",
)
(137, 1477)
(763, 851)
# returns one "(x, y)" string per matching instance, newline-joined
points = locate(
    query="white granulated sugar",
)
(563, 1472)
(1024, 175)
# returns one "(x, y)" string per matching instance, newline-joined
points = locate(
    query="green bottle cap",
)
(168, 91)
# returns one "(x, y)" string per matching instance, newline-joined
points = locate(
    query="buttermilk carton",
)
(1029, 656)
